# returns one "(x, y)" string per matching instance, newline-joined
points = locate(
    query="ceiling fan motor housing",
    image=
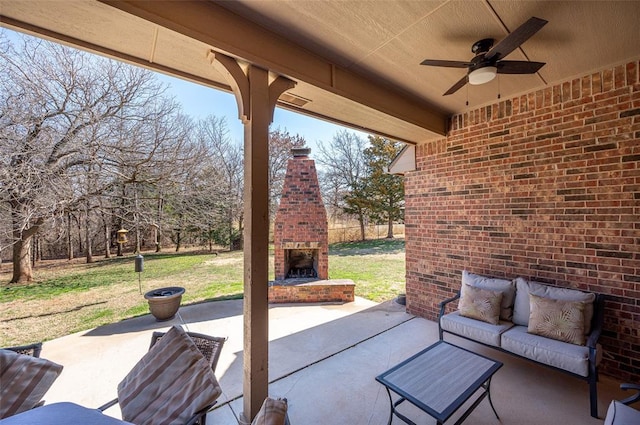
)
(482, 46)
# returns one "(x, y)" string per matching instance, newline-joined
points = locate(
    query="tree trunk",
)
(79, 223)
(22, 268)
(69, 238)
(156, 236)
(390, 228)
(362, 229)
(87, 234)
(107, 240)
(178, 241)
(158, 231)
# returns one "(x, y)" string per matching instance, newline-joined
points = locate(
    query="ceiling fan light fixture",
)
(482, 75)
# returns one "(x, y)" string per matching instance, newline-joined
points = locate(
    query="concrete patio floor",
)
(324, 359)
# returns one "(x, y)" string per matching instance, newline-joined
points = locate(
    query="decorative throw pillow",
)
(25, 380)
(480, 304)
(170, 384)
(507, 287)
(557, 319)
(272, 412)
(521, 311)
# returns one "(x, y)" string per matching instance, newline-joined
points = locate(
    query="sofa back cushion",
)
(505, 286)
(521, 306)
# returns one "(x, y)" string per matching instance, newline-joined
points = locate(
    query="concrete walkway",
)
(324, 359)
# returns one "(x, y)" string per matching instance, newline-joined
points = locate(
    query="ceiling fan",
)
(488, 62)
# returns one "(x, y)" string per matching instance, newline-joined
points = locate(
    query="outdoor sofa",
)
(556, 327)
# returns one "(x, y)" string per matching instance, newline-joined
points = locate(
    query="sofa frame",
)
(596, 330)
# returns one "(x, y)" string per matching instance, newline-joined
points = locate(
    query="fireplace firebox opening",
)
(301, 263)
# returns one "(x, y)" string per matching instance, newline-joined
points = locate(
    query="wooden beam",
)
(236, 36)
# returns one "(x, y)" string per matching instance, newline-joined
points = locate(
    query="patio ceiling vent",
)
(300, 230)
(293, 99)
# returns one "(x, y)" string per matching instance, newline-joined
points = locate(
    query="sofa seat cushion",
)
(621, 414)
(476, 330)
(563, 355)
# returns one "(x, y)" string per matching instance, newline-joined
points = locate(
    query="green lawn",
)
(75, 296)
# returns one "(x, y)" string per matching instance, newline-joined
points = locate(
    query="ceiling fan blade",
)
(518, 67)
(515, 39)
(457, 86)
(449, 64)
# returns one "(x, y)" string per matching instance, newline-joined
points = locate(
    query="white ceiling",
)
(382, 41)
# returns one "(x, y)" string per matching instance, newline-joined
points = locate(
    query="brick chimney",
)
(300, 231)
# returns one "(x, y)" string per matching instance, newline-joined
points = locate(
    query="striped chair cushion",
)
(272, 412)
(25, 380)
(169, 384)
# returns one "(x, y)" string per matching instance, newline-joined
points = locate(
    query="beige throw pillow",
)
(507, 287)
(171, 383)
(24, 380)
(272, 412)
(557, 319)
(480, 304)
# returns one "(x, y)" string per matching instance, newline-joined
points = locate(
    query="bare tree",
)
(343, 170)
(224, 164)
(280, 145)
(52, 99)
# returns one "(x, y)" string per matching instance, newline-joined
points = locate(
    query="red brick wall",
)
(545, 186)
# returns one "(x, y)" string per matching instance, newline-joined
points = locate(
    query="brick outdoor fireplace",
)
(301, 242)
(300, 231)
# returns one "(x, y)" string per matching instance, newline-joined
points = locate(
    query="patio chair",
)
(32, 350)
(620, 413)
(209, 346)
(173, 383)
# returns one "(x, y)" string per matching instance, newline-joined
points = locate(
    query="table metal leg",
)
(395, 412)
(391, 406)
(489, 396)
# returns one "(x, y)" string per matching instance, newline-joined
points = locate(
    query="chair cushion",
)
(474, 329)
(570, 357)
(480, 304)
(507, 287)
(521, 308)
(272, 412)
(25, 380)
(621, 414)
(171, 383)
(557, 319)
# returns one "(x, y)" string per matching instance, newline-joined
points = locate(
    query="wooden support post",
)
(256, 102)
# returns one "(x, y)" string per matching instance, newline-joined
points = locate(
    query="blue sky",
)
(199, 101)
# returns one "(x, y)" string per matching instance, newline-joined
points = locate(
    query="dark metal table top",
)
(440, 378)
(62, 414)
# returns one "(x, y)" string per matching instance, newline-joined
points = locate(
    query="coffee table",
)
(439, 380)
